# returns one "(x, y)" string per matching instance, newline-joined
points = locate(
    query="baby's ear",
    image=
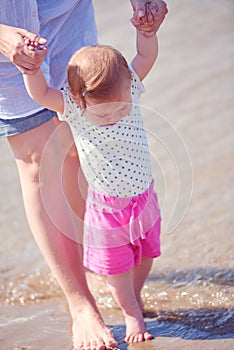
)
(76, 99)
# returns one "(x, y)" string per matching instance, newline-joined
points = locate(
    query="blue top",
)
(67, 25)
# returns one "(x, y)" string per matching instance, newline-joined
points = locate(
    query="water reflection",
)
(196, 276)
(192, 324)
(200, 287)
(190, 304)
(196, 323)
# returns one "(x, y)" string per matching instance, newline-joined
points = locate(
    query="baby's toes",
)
(148, 336)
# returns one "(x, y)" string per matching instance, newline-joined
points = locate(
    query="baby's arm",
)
(37, 86)
(147, 52)
(39, 91)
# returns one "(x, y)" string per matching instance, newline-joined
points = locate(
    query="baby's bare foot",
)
(136, 330)
(89, 332)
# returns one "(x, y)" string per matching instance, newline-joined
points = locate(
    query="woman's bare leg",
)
(54, 227)
(122, 288)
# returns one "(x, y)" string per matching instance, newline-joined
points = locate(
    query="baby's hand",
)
(149, 20)
(35, 48)
(35, 43)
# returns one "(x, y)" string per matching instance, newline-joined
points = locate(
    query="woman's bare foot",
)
(90, 333)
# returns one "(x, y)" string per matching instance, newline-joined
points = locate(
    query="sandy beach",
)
(188, 110)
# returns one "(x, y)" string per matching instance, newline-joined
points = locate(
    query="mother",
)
(42, 146)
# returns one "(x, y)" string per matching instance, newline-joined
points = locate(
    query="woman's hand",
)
(14, 45)
(148, 15)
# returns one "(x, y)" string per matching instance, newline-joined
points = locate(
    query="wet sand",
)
(188, 108)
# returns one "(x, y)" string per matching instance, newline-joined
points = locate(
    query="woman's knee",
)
(33, 147)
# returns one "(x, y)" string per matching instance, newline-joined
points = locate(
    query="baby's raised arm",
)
(39, 91)
(38, 88)
(147, 52)
(147, 43)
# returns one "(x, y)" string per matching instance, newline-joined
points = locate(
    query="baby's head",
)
(99, 75)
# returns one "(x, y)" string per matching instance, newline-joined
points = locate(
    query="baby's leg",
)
(122, 288)
(140, 274)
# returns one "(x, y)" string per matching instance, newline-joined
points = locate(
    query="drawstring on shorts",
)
(134, 219)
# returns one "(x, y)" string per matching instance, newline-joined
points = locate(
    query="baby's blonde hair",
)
(97, 72)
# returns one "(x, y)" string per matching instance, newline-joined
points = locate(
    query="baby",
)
(122, 218)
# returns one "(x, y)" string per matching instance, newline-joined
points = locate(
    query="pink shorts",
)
(118, 232)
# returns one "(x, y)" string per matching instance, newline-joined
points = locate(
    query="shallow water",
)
(188, 297)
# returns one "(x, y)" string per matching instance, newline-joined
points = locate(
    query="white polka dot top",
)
(115, 158)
